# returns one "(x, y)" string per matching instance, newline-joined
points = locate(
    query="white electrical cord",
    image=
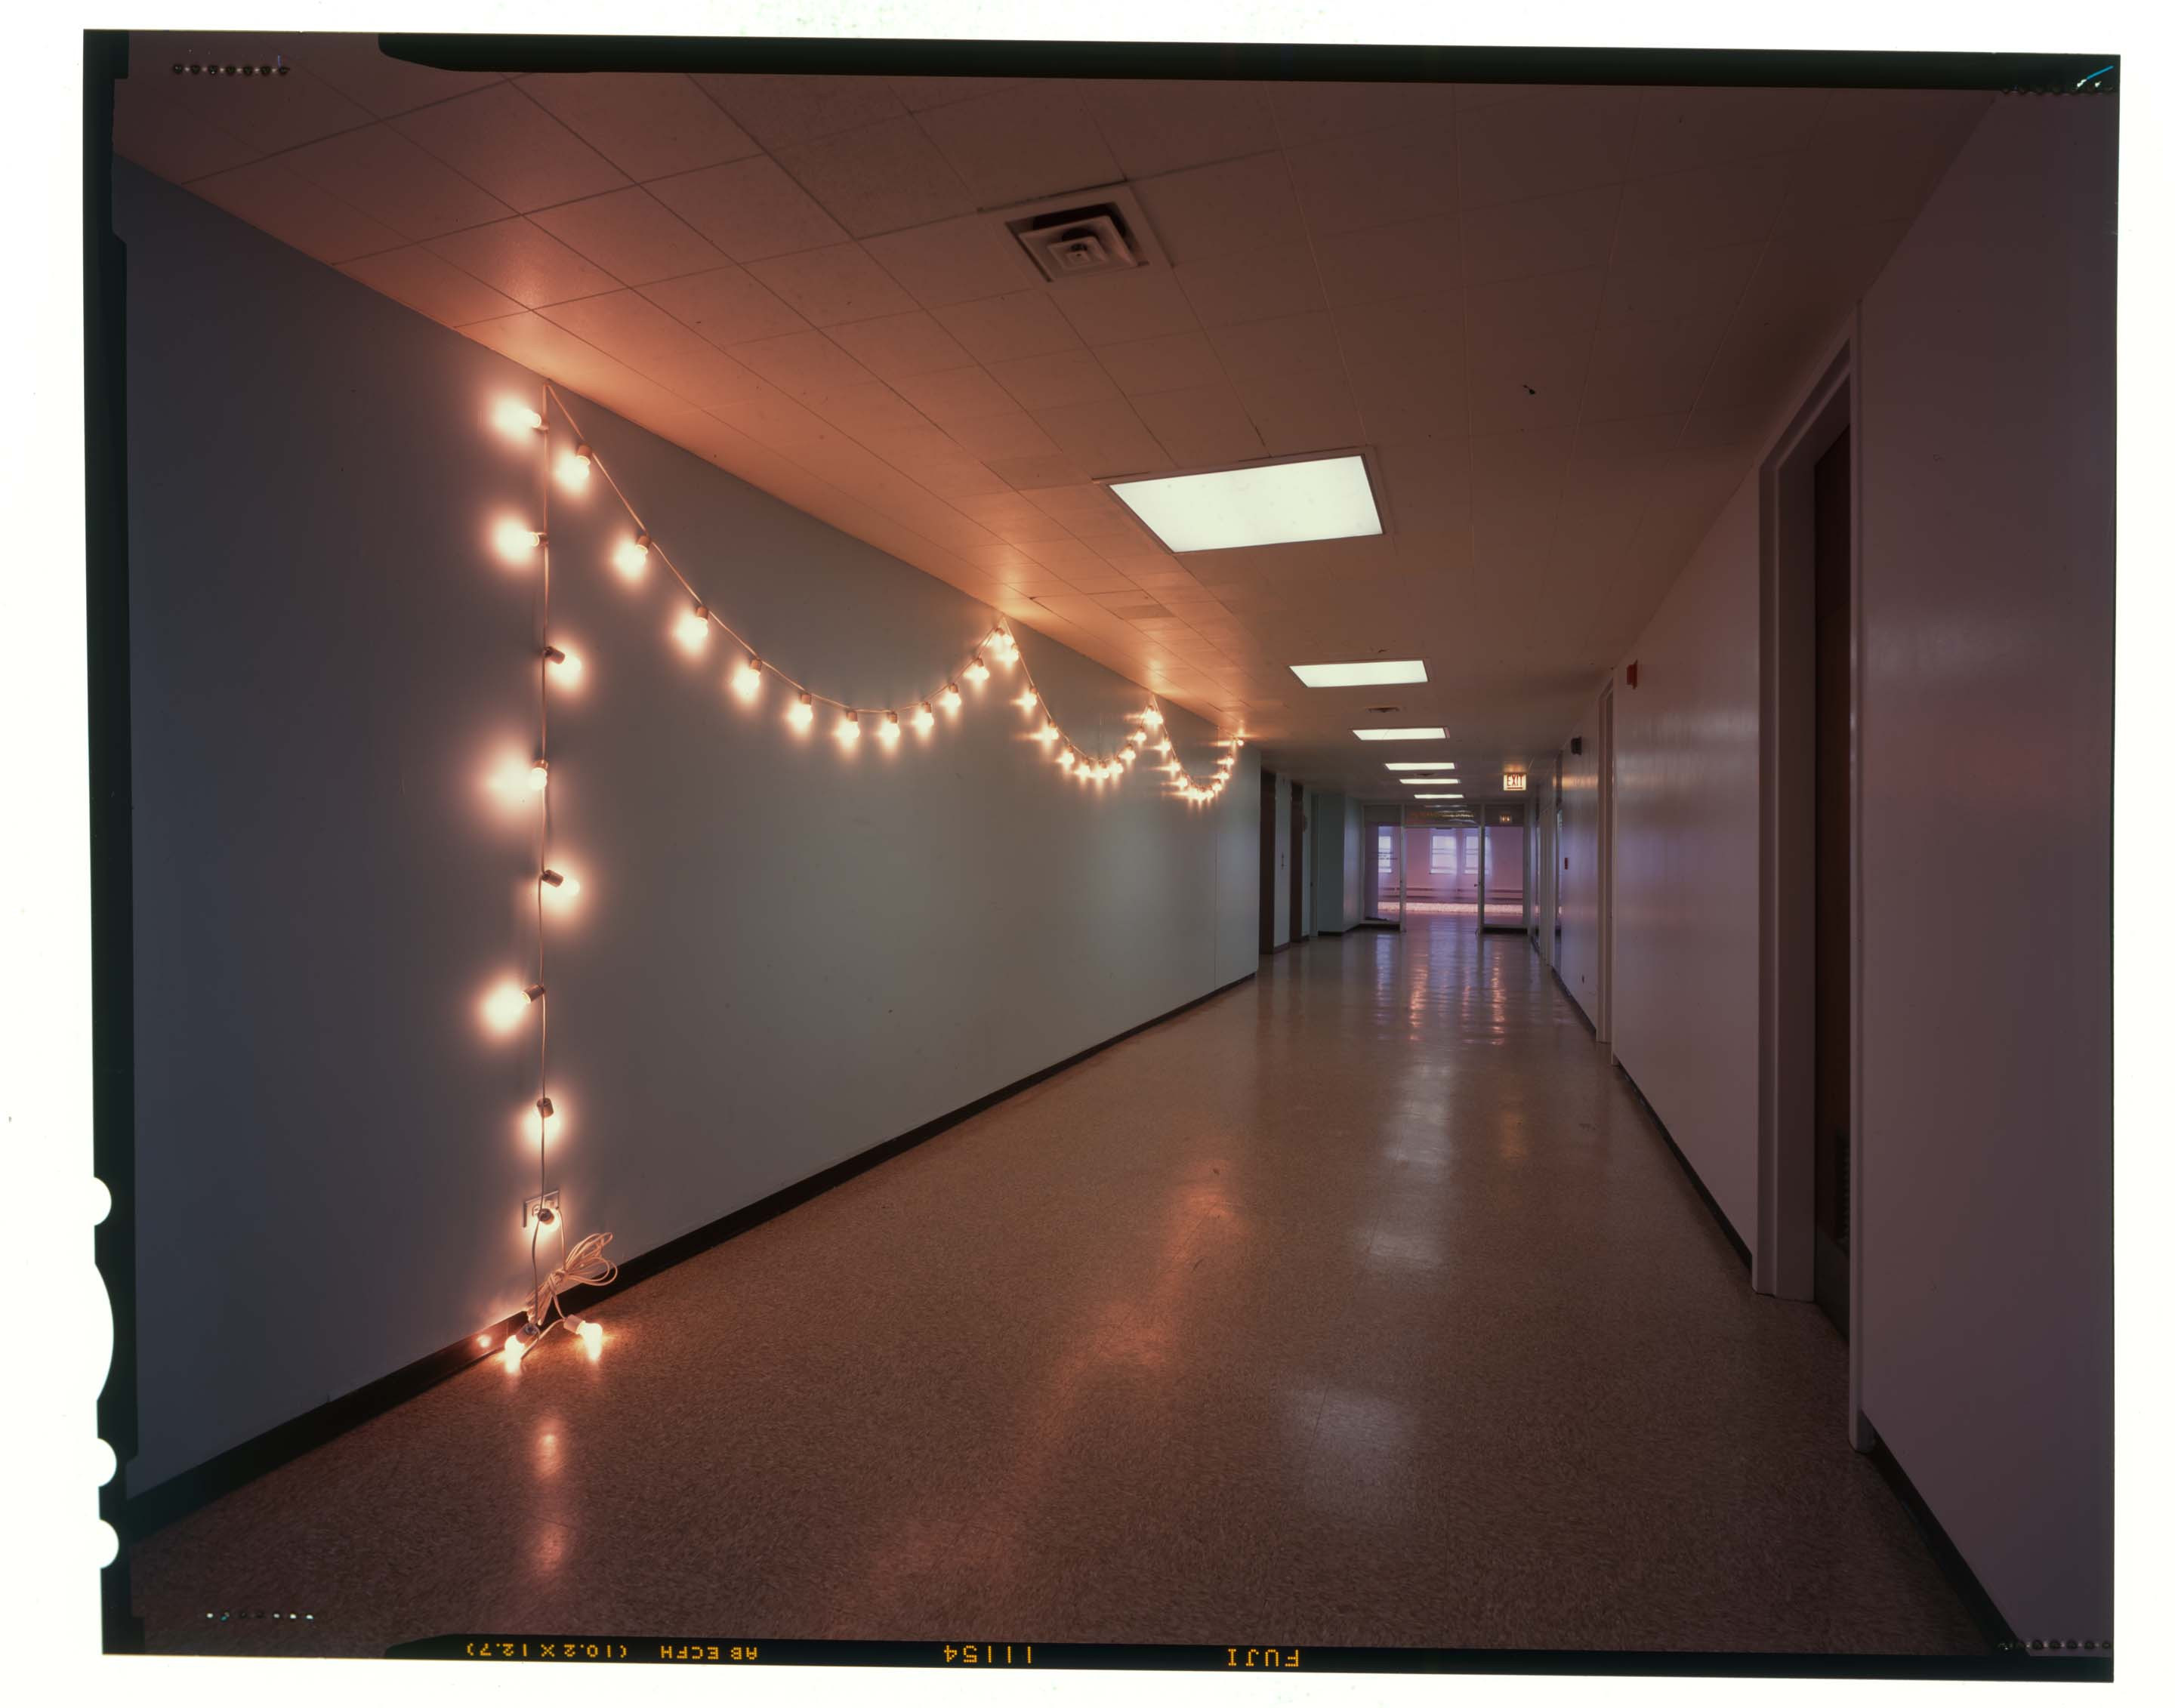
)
(585, 1265)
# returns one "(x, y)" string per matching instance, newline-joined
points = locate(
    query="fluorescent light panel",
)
(1276, 505)
(1361, 675)
(1429, 735)
(1425, 782)
(1438, 797)
(1419, 765)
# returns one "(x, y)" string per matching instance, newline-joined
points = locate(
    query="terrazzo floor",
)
(1361, 1305)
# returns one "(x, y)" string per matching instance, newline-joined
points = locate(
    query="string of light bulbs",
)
(695, 626)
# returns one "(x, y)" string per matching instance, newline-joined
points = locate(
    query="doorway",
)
(1604, 1009)
(1298, 931)
(1831, 845)
(1268, 862)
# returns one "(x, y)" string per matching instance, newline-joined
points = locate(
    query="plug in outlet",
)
(542, 1209)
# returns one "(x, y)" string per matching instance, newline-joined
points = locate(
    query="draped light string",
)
(698, 622)
(586, 1265)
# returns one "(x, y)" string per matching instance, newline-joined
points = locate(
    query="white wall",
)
(1578, 864)
(782, 955)
(1327, 878)
(1685, 1022)
(1987, 538)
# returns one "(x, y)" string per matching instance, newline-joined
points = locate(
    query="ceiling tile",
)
(499, 138)
(860, 411)
(631, 235)
(1156, 125)
(1125, 307)
(1228, 208)
(1301, 414)
(1424, 333)
(919, 93)
(1039, 383)
(1546, 234)
(1268, 351)
(803, 363)
(1309, 113)
(1557, 308)
(1377, 178)
(779, 112)
(1681, 128)
(1162, 364)
(559, 355)
(957, 394)
(727, 305)
(1550, 141)
(648, 124)
(827, 286)
(1678, 283)
(429, 285)
(527, 263)
(956, 261)
(1103, 438)
(1385, 261)
(750, 209)
(1004, 328)
(358, 68)
(1012, 435)
(768, 416)
(1201, 426)
(1022, 143)
(1258, 284)
(1705, 208)
(380, 171)
(267, 113)
(1649, 367)
(1876, 153)
(300, 213)
(629, 328)
(1399, 402)
(897, 346)
(885, 177)
(161, 134)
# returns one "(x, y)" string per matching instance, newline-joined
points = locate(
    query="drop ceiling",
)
(1556, 319)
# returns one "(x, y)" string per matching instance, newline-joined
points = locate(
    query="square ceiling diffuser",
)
(1264, 504)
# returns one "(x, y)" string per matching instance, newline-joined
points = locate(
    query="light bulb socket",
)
(553, 655)
(891, 717)
(533, 993)
(543, 1107)
(702, 612)
(542, 538)
(641, 538)
(852, 717)
(552, 878)
(581, 451)
(807, 700)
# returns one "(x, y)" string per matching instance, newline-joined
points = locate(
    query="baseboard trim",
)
(187, 1491)
(1707, 1198)
(1946, 1554)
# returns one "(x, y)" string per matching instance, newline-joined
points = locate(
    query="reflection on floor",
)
(1359, 1305)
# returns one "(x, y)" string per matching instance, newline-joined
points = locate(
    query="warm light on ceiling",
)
(1434, 734)
(1360, 675)
(1419, 765)
(1278, 504)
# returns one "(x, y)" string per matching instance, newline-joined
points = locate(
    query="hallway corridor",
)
(1362, 1304)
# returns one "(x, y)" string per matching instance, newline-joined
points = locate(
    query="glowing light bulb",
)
(1151, 718)
(574, 468)
(925, 721)
(1127, 755)
(564, 886)
(693, 630)
(1047, 734)
(516, 418)
(1026, 700)
(632, 557)
(949, 699)
(802, 713)
(483, 1341)
(977, 671)
(747, 681)
(565, 666)
(543, 1113)
(515, 543)
(512, 1356)
(539, 774)
(1064, 762)
(849, 728)
(593, 1339)
(887, 731)
(503, 1008)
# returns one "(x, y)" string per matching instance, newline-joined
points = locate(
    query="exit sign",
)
(1514, 781)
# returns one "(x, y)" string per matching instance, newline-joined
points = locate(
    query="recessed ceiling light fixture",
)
(1438, 797)
(1428, 734)
(1264, 504)
(1419, 765)
(1426, 782)
(1366, 674)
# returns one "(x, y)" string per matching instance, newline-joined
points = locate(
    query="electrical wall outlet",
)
(543, 1208)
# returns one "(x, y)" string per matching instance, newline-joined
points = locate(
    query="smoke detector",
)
(1088, 235)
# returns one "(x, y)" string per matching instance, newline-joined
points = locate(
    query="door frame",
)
(1605, 860)
(1268, 882)
(1783, 1241)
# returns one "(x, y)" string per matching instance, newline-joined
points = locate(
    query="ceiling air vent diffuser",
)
(1090, 234)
